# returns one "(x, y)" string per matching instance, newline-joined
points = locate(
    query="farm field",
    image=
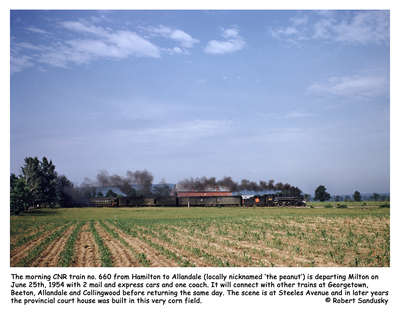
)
(202, 237)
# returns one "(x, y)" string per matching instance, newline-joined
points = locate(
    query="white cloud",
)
(82, 27)
(29, 46)
(364, 28)
(94, 42)
(36, 30)
(354, 27)
(284, 32)
(232, 43)
(352, 86)
(184, 39)
(19, 63)
(299, 20)
(178, 133)
(175, 50)
(230, 33)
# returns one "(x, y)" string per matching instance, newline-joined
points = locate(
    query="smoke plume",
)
(143, 181)
(227, 184)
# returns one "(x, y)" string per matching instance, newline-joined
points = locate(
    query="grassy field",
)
(202, 237)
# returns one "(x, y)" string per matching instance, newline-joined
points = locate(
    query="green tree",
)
(375, 196)
(48, 182)
(321, 194)
(41, 180)
(357, 196)
(32, 178)
(307, 197)
(20, 197)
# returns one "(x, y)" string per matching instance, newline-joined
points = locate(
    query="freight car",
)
(209, 201)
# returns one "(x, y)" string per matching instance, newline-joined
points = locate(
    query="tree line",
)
(321, 194)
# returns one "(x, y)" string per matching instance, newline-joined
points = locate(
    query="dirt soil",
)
(49, 257)
(21, 252)
(121, 256)
(155, 257)
(86, 250)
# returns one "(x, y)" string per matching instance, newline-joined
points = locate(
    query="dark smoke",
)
(227, 184)
(142, 179)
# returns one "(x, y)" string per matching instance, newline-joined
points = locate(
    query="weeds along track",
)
(86, 251)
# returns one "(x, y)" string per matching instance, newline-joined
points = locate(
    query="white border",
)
(236, 309)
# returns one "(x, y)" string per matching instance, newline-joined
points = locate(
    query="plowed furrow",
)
(226, 253)
(49, 257)
(262, 247)
(22, 251)
(121, 256)
(156, 258)
(178, 249)
(86, 250)
(218, 248)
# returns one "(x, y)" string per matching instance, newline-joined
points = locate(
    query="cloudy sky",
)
(296, 96)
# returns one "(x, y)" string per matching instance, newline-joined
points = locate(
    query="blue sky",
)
(296, 96)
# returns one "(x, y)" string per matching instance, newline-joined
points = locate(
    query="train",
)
(266, 200)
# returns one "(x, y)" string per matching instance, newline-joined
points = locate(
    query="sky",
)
(300, 97)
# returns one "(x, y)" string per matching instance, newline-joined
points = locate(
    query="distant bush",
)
(385, 205)
(328, 205)
(364, 204)
(311, 206)
(341, 206)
